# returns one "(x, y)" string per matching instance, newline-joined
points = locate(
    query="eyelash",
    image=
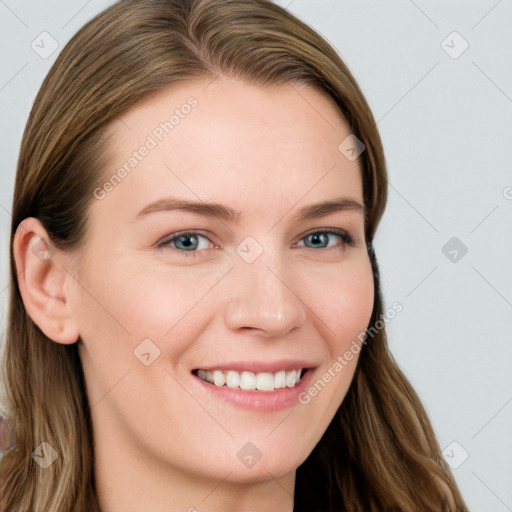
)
(166, 242)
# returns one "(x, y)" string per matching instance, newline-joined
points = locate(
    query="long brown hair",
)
(379, 452)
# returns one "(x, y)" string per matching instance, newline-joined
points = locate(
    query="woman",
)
(196, 320)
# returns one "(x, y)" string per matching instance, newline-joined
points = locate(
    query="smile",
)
(250, 381)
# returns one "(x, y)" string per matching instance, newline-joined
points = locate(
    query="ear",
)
(44, 282)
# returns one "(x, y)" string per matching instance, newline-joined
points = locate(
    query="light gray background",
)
(446, 125)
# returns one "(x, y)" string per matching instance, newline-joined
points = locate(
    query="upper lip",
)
(259, 366)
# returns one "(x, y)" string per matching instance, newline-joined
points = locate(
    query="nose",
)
(263, 299)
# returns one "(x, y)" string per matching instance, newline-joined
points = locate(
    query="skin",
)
(163, 442)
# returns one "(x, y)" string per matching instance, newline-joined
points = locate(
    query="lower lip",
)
(254, 400)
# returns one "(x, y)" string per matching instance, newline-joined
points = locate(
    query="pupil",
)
(186, 241)
(317, 238)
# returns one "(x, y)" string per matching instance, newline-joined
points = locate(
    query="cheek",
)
(342, 313)
(159, 300)
(343, 316)
(355, 307)
(120, 308)
(344, 306)
(130, 302)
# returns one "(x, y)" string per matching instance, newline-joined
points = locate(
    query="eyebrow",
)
(233, 216)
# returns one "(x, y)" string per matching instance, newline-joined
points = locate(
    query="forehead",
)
(253, 147)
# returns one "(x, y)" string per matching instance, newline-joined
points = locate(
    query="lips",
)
(258, 384)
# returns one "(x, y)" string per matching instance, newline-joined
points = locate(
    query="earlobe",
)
(42, 280)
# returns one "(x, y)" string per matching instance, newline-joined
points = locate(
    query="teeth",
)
(280, 379)
(219, 379)
(233, 380)
(249, 381)
(203, 374)
(265, 382)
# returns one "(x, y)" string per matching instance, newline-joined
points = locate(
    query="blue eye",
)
(186, 242)
(320, 239)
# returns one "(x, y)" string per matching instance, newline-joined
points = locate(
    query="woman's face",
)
(210, 251)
